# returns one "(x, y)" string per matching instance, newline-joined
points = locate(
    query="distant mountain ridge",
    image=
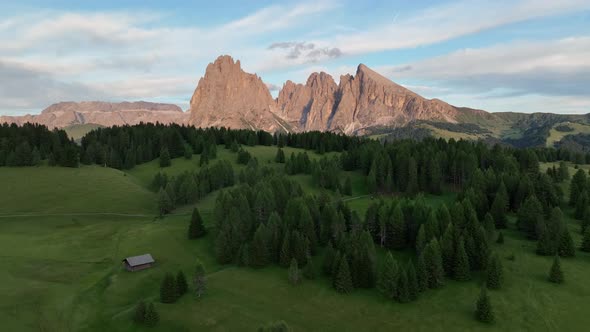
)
(366, 103)
(67, 114)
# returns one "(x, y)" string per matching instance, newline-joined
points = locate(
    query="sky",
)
(518, 55)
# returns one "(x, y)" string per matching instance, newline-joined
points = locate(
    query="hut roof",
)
(139, 260)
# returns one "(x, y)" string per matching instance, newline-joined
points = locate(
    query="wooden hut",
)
(137, 263)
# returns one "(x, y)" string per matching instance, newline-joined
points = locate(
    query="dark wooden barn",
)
(137, 263)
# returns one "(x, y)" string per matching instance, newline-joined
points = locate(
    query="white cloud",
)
(448, 21)
(555, 67)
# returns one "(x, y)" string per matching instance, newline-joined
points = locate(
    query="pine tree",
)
(372, 181)
(181, 284)
(286, 255)
(433, 264)
(164, 157)
(566, 246)
(294, 273)
(582, 203)
(500, 206)
(421, 273)
(196, 228)
(280, 157)
(412, 184)
(421, 240)
(388, 275)
(343, 279)
(168, 291)
(494, 273)
(200, 280)
(413, 288)
(490, 227)
(483, 308)
(328, 259)
(586, 241)
(577, 185)
(165, 204)
(403, 291)
(140, 311)
(398, 228)
(448, 249)
(259, 248)
(530, 215)
(461, 269)
(555, 274)
(152, 318)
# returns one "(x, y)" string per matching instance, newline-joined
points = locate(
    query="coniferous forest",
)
(400, 244)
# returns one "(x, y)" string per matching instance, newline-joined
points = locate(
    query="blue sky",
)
(519, 55)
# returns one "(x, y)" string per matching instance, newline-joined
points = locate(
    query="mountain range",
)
(366, 103)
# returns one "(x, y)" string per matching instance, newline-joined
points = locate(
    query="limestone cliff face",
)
(308, 107)
(358, 102)
(67, 114)
(229, 97)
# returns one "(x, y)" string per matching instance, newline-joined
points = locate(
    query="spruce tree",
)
(168, 292)
(586, 241)
(398, 228)
(582, 203)
(152, 318)
(461, 269)
(328, 259)
(181, 284)
(433, 263)
(403, 288)
(494, 273)
(490, 227)
(286, 256)
(335, 265)
(566, 246)
(280, 156)
(140, 311)
(294, 272)
(448, 249)
(164, 157)
(343, 279)
(412, 184)
(165, 204)
(500, 206)
(421, 273)
(530, 215)
(577, 185)
(413, 288)
(483, 308)
(421, 241)
(372, 181)
(388, 275)
(555, 274)
(200, 280)
(196, 228)
(259, 248)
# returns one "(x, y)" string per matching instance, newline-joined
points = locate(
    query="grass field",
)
(556, 136)
(63, 272)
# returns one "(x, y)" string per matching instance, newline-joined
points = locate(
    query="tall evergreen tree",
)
(286, 251)
(181, 284)
(413, 288)
(165, 204)
(164, 157)
(556, 274)
(483, 308)
(530, 215)
(500, 206)
(343, 279)
(448, 249)
(494, 273)
(200, 280)
(412, 184)
(403, 287)
(398, 228)
(152, 318)
(490, 227)
(294, 272)
(168, 290)
(140, 311)
(259, 248)
(196, 228)
(421, 273)
(433, 263)
(388, 275)
(461, 269)
(577, 186)
(566, 247)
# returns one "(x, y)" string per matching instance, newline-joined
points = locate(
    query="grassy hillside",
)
(76, 132)
(64, 273)
(556, 135)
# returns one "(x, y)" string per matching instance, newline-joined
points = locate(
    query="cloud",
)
(273, 87)
(307, 51)
(554, 67)
(22, 88)
(448, 21)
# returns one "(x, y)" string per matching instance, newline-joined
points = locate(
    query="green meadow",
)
(64, 232)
